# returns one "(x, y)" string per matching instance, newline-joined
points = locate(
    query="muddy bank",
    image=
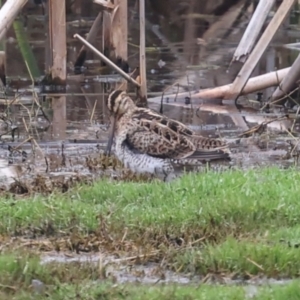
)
(128, 270)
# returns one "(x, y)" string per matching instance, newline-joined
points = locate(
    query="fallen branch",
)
(253, 85)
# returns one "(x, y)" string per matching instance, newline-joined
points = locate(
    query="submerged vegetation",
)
(233, 224)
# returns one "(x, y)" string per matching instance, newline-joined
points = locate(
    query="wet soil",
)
(43, 156)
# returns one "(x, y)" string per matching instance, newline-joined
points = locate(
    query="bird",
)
(149, 142)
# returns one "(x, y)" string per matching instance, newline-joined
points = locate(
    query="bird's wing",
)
(200, 142)
(175, 126)
(159, 136)
(148, 134)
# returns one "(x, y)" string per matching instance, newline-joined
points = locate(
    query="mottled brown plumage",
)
(156, 138)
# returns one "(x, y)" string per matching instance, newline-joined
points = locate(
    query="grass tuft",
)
(236, 221)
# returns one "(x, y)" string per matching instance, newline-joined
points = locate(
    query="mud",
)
(125, 270)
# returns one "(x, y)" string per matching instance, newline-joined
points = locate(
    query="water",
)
(171, 58)
(124, 270)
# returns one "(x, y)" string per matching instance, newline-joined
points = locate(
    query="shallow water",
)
(123, 270)
(85, 131)
(169, 61)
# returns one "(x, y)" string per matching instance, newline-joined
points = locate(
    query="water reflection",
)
(195, 55)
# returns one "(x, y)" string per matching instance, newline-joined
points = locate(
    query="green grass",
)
(75, 281)
(245, 221)
(240, 257)
(240, 201)
(88, 291)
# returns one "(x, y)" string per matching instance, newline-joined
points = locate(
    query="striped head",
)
(118, 103)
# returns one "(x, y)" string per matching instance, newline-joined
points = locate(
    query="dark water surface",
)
(170, 68)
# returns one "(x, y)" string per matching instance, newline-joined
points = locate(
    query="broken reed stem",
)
(32, 79)
(256, 128)
(93, 111)
(34, 95)
(253, 29)
(8, 13)
(294, 122)
(29, 136)
(143, 91)
(106, 4)
(287, 83)
(255, 264)
(106, 60)
(247, 69)
(31, 139)
(90, 37)
(273, 102)
(123, 84)
(22, 143)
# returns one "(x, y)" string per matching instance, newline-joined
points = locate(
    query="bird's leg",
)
(167, 174)
(169, 177)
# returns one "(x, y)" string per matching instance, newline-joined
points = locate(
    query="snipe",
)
(148, 142)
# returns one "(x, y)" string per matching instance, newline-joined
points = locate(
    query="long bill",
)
(111, 136)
